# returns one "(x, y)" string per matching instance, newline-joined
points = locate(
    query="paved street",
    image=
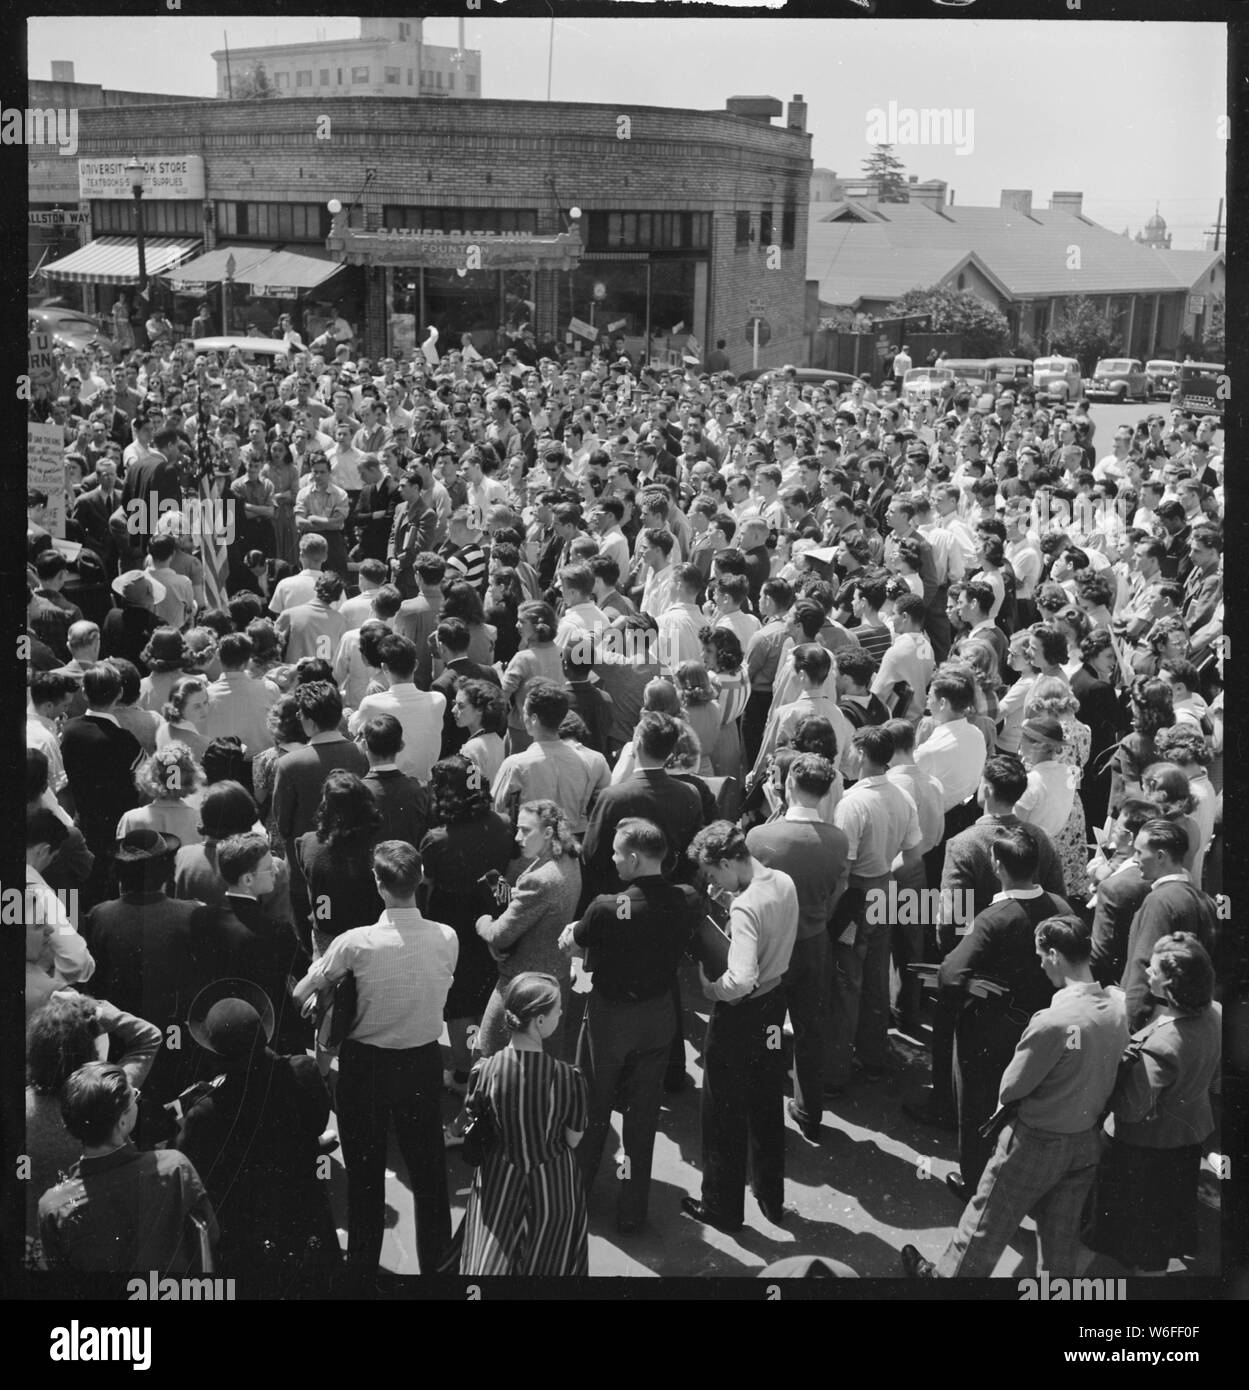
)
(875, 1183)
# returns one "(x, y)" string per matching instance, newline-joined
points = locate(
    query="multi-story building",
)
(459, 215)
(389, 59)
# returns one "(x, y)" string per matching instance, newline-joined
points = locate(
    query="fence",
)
(857, 353)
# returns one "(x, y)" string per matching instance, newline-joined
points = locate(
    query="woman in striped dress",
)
(526, 1208)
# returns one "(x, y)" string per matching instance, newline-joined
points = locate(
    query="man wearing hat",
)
(128, 626)
(253, 1137)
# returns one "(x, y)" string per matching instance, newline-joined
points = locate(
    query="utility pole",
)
(1218, 226)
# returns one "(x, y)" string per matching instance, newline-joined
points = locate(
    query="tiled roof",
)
(913, 245)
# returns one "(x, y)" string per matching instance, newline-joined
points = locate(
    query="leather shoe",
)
(675, 1082)
(915, 1265)
(327, 1142)
(810, 1128)
(776, 1215)
(954, 1181)
(926, 1115)
(691, 1206)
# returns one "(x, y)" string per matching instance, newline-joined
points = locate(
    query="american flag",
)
(210, 540)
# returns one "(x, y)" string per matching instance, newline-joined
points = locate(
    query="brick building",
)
(690, 221)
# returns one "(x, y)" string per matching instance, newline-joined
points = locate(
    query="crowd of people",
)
(503, 712)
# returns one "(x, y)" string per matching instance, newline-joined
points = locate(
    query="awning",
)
(114, 260)
(268, 271)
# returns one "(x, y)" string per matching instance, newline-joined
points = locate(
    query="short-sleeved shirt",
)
(880, 821)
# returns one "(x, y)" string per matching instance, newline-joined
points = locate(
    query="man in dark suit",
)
(1001, 948)
(414, 528)
(879, 493)
(404, 803)
(453, 640)
(968, 869)
(151, 481)
(92, 511)
(648, 793)
(51, 614)
(301, 773)
(99, 758)
(1100, 709)
(1121, 889)
(632, 943)
(372, 514)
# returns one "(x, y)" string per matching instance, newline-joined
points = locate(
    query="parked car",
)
(1201, 389)
(71, 329)
(804, 376)
(1011, 373)
(975, 374)
(1164, 376)
(1057, 379)
(926, 384)
(1118, 379)
(248, 348)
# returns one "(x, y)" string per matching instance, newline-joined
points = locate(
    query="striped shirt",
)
(403, 966)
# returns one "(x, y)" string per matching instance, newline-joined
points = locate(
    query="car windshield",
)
(1114, 364)
(1202, 368)
(1159, 366)
(1051, 364)
(917, 374)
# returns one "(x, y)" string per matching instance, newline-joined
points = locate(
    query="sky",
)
(1127, 113)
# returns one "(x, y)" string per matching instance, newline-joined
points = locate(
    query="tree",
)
(1082, 331)
(983, 329)
(251, 85)
(1214, 339)
(890, 174)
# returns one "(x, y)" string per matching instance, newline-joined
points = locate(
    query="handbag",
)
(481, 1133)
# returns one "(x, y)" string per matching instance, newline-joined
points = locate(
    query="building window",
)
(392, 77)
(405, 32)
(282, 81)
(303, 79)
(490, 220)
(451, 81)
(227, 219)
(340, 77)
(325, 77)
(360, 76)
(648, 231)
(742, 232)
(409, 77)
(789, 226)
(273, 221)
(438, 79)
(765, 225)
(472, 82)
(172, 217)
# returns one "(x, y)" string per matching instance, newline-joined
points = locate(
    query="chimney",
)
(1018, 199)
(754, 108)
(930, 194)
(1068, 202)
(796, 116)
(62, 72)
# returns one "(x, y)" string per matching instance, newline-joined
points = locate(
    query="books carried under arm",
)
(709, 943)
(985, 989)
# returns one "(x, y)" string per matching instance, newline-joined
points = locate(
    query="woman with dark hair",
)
(504, 597)
(283, 723)
(167, 657)
(538, 659)
(463, 857)
(281, 471)
(1075, 627)
(266, 657)
(723, 656)
(1151, 711)
(142, 723)
(1146, 1203)
(336, 860)
(478, 708)
(1048, 649)
(700, 709)
(67, 1032)
(461, 600)
(526, 1208)
(185, 716)
(1166, 785)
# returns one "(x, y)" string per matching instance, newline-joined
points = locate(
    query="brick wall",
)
(485, 153)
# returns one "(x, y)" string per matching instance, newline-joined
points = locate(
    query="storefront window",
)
(624, 285)
(479, 303)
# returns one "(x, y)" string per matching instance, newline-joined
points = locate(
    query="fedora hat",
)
(143, 844)
(137, 586)
(228, 1017)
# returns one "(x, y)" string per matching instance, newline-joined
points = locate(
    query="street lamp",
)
(135, 170)
(226, 289)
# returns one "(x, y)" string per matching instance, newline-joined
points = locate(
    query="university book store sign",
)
(455, 250)
(179, 176)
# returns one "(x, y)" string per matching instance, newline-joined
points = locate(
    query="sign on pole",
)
(45, 470)
(583, 329)
(42, 364)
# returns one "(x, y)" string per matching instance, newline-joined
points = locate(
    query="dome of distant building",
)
(1155, 233)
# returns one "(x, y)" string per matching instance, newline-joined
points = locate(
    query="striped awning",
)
(114, 260)
(265, 269)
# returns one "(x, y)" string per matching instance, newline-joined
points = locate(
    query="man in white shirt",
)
(419, 712)
(238, 703)
(583, 619)
(51, 693)
(345, 460)
(655, 548)
(955, 751)
(682, 621)
(483, 490)
(881, 825)
(302, 587)
(812, 665)
(909, 658)
(605, 519)
(732, 595)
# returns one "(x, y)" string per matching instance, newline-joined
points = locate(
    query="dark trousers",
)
(676, 1053)
(985, 1036)
(806, 993)
(754, 722)
(906, 944)
(944, 1016)
(957, 819)
(743, 1120)
(622, 1053)
(937, 625)
(375, 1086)
(858, 1018)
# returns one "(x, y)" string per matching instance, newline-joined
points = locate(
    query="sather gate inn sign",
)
(467, 250)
